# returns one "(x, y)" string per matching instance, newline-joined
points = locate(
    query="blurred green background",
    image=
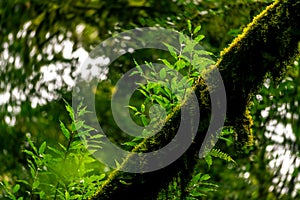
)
(42, 43)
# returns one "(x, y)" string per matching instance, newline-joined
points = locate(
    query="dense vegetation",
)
(42, 45)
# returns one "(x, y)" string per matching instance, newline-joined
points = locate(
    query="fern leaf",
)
(219, 154)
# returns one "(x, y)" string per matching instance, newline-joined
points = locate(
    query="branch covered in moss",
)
(266, 46)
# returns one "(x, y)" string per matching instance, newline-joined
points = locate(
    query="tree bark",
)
(266, 46)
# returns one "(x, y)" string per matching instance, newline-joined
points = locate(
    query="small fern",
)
(219, 154)
(199, 186)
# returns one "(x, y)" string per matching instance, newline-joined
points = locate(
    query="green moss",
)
(264, 48)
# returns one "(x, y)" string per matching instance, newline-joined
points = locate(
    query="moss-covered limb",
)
(148, 185)
(265, 47)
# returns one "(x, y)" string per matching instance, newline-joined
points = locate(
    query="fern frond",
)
(222, 155)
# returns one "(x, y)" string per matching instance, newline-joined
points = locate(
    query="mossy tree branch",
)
(265, 47)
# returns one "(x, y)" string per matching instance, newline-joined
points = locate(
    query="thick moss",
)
(264, 48)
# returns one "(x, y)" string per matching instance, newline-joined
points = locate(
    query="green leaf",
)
(144, 120)
(124, 183)
(117, 164)
(150, 86)
(187, 59)
(182, 38)
(189, 47)
(205, 177)
(130, 144)
(82, 111)
(156, 89)
(73, 126)
(167, 101)
(64, 130)
(67, 195)
(143, 92)
(23, 181)
(133, 108)
(137, 139)
(159, 99)
(149, 65)
(39, 19)
(226, 139)
(199, 38)
(174, 84)
(70, 110)
(201, 63)
(162, 73)
(62, 146)
(35, 184)
(196, 194)
(138, 66)
(16, 188)
(56, 151)
(143, 108)
(219, 154)
(134, 73)
(203, 52)
(101, 176)
(196, 178)
(29, 152)
(75, 145)
(137, 113)
(189, 25)
(32, 145)
(208, 160)
(78, 125)
(167, 63)
(163, 91)
(180, 64)
(227, 131)
(42, 148)
(79, 107)
(195, 74)
(197, 29)
(32, 171)
(172, 51)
